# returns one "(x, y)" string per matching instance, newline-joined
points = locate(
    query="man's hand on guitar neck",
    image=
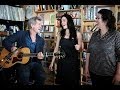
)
(40, 55)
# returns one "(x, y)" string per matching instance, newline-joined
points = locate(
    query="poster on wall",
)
(30, 11)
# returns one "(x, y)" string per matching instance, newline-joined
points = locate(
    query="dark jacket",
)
(19, 37)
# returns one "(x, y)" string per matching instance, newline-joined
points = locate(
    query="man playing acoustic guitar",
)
(30, 39)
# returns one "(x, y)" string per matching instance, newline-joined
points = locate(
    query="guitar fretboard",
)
(35, 54)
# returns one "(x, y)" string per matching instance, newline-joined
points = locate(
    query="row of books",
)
(12, 13)
(77, 22)
(86, 36)
(88, 30)
(58, 7)
(10, 30)
(74, 14)
(67, 7)
(89, 12)
(48, 35)
(48, 19)
(46, 7)
(48, 28)
(118, 19)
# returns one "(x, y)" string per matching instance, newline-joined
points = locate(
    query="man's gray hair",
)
(33, 21)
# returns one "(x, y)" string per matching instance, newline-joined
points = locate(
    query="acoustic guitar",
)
(8, 59)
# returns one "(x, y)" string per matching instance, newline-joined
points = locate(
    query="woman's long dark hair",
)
(107, 15)
(71, 27)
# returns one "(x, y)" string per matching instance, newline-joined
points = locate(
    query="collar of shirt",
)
(104, 36)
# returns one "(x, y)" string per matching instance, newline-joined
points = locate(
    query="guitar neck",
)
(30, 55)
(35, 54)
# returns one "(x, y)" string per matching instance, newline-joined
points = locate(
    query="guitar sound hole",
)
(20, 55)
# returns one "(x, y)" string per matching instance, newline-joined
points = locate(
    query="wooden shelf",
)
(83, 22)
(45, 11)
(88, 20)
(104, 5)
(68, 10)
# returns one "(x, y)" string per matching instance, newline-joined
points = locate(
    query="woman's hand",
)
(77, 47)
(51, 67)
(116, 79)
(40, 55)
(86, 73)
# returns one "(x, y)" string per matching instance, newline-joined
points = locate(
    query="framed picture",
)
(29, 11)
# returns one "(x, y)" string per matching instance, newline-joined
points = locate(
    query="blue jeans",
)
(35, 69)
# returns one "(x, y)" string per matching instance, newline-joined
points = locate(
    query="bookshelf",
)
(84, 20)
(11, 20)
(58, 10)
(89, 13)
(47, 12)
(73, 10)
(88, 19)
(83, 15)
(117, 14)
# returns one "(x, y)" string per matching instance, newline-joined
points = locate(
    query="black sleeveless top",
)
(68, 68)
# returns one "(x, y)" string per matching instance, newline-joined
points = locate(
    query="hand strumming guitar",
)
(13, 49)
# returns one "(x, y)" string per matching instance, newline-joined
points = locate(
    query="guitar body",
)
(6, 61)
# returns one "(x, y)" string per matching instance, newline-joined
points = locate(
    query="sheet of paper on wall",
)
(30, 11)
